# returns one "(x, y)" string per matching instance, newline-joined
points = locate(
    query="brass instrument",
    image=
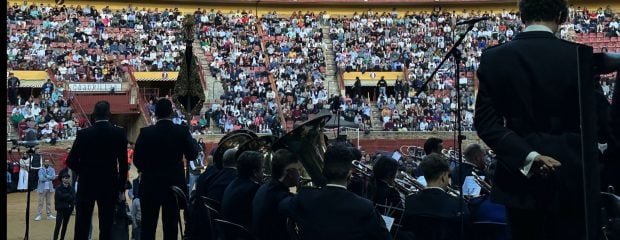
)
(411, 151)
(262, 145)
(449, 154)
(231, 140)
(308, 142)
(362, 170)
(412, 181)
(486, 186)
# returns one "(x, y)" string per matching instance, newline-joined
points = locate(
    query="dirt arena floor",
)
(44, 229)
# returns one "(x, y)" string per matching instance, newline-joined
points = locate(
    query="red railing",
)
(271, 81)
(146, 114)
(75, 103)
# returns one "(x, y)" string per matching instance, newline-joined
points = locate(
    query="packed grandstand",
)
(274, 69)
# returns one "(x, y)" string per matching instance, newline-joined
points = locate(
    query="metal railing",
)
(146, 113)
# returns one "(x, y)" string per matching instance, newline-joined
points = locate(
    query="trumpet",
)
(412, 181)
(449, 154)
(486, 186)
(363, 170)
(411, 151)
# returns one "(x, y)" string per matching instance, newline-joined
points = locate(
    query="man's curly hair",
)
(543, 10)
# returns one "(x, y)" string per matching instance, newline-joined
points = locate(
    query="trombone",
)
(411, 151)
(486, 186)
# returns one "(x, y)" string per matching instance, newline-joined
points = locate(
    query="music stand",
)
(456, 53)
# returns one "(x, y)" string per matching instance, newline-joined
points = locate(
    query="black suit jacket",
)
(267, 222)
(158, 153)
(201, 182)
(237, 201)
(528, 101)
(434, 203)
(334, 213)
(216, 185)
(99, 157)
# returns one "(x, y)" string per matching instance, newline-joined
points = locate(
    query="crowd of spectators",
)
(296, 62)
(48, 117)
(233, 46)
(84, 43)
(415, 44)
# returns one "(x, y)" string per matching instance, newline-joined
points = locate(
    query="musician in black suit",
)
(431, 145)
(473, 162)
(216, 185)
(99, 157)
(527, 111)
(333, 212)
(158, 156)
(238, 196)
(211, 170)
(267, 222)
(384, 190)
(432, 213)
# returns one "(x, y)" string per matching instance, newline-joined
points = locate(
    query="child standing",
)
(65, 201)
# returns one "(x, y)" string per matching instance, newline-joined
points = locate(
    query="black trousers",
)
(150, 214)
(543, 224)
(84, 214)
(62, 219)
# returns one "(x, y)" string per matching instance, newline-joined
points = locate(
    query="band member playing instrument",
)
(358, 185)
(158, 156)
(384, 191)
(216, 185)
(528, 112)
(432, 213)
(432, 145)
(332, 212)
(267, 223)
(474, 161)
(238, 196)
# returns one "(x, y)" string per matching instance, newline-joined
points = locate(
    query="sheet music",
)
(389, 221)
(396, 155)
(471, 187)
(422, 180)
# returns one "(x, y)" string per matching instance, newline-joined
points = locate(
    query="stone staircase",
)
(375, 117)
(214, 87)
(11, 132)
(331, 81)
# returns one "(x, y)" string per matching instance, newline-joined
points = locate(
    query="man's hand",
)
(543, 165)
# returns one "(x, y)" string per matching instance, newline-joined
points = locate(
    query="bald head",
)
(229, 159)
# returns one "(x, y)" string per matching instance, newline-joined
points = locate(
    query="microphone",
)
(472, 21)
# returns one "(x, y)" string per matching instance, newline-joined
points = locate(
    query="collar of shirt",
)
(537, 27)
(102, 121)
(436, 188)
(335, 185)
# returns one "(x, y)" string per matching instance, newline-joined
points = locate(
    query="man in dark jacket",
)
(99, 158)
(237, 200)
(333, 212)
(528, 112)
(267, 222)
(158, 156)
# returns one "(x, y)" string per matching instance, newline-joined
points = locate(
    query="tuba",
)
(231, 140)
(262, 145)
(308, 142)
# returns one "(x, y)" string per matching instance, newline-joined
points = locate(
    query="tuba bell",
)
(262, 145)
(231, 140)
(308, 142)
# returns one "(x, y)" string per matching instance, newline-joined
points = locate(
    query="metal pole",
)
(188, 60)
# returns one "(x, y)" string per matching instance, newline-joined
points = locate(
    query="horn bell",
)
(307, 141)
(231, 140)
(262, 145)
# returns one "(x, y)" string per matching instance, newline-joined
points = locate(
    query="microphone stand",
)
(456, 53)
(30, 154)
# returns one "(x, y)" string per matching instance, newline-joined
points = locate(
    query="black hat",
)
(64, 174)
